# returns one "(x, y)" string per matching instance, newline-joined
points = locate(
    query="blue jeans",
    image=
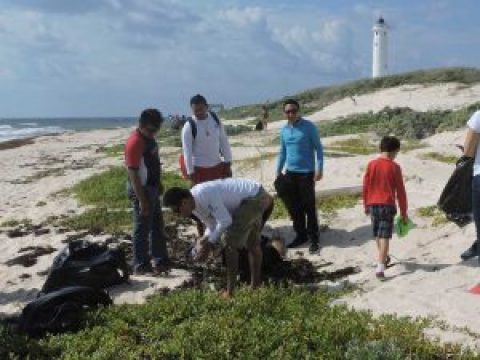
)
(476, 205)
(149, 240)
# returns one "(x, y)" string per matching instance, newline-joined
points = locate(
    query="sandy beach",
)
(427, 279)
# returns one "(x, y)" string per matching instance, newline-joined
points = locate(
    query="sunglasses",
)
(291, 111)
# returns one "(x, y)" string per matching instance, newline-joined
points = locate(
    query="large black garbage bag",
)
(456, 197)
(84, 263)
(60, 310)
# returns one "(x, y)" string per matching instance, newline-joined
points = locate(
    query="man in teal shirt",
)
(300, 165)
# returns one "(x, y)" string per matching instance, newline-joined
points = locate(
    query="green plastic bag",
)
(402, 228)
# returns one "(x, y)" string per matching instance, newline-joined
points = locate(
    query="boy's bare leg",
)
(231, 257)
(255, 262)
(383, 250)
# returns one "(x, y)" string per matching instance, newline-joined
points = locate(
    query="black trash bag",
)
(60, 311)
(271, 261)
(456, 198)
(259, 125)
(84, 263)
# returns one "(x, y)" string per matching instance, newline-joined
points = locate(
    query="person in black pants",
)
(301, 155)
(300, 203)
(471, 149)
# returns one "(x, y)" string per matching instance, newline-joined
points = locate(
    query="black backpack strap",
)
(193, 127)
(215, 117)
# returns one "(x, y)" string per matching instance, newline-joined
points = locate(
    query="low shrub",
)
(106, 196)
(113, 150)
(447, 159)
(315, 99)
(402, 122)
(357, 146)
(434, 213)
(107, 189)
(273, 323)
(329, 205)
(15, 222)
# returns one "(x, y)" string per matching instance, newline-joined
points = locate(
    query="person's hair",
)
(198, 99)
(389, 144)
(291, 102)
(151, 117)
(173, 197)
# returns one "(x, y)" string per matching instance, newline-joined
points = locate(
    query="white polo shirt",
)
(215, 202)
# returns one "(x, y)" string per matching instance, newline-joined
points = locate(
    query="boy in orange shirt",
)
(382, 185)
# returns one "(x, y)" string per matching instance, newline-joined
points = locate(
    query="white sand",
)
(428, 278)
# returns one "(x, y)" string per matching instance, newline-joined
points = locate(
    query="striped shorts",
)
(382, 220)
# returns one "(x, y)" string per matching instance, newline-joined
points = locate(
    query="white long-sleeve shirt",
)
(215, 202)
(208, 147)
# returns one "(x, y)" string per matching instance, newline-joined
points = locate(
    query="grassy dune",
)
(315, 99)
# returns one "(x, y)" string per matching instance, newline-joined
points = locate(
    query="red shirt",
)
(383, 183)
(141, 153)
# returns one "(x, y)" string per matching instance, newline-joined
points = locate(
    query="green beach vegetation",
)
(447, 159)
(105, 197)
(357, 146)
(434, 213)
(364, 145)
(113, 150)
(402, 122)
(315, 99)
(9, 223)
(328, 205)
(273, 323)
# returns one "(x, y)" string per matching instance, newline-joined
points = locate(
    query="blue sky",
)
(116, 57)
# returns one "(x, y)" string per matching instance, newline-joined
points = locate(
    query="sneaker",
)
(471, 252)
(143, 270)
(299, 240)
(380, 275)
(313, 247)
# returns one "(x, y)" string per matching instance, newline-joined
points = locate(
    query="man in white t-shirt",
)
(472, 150)
(233, 211)
(206, 152)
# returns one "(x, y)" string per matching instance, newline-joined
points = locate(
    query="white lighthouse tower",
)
(380, 49)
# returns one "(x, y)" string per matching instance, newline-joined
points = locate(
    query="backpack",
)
(60, 311)
(84, 263)
(193, 125)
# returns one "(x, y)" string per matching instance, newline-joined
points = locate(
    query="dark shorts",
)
(382, 220)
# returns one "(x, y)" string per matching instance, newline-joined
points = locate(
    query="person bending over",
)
(233, 211)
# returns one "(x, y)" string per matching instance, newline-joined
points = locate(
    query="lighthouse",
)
(380, 49)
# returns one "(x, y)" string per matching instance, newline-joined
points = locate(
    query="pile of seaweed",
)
(211, 274)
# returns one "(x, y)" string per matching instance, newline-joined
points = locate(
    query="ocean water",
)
(11, 129)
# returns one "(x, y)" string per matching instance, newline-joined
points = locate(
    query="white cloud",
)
(142, 51)
(242, 17)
